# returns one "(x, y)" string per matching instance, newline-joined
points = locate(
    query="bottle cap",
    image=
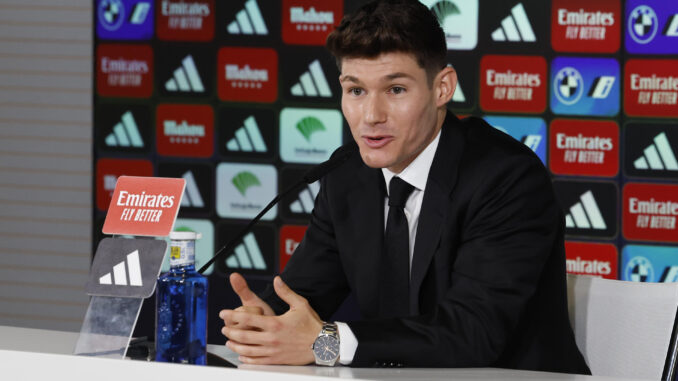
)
(184, 235)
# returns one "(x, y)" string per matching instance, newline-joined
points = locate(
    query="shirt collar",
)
(416, 174)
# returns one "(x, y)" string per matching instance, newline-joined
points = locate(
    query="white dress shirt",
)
(415, 174)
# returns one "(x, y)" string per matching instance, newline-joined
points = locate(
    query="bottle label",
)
(182, 253)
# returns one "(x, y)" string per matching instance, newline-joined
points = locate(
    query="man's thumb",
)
(286, 294)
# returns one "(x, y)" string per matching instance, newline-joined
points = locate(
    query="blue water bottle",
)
(181, 306)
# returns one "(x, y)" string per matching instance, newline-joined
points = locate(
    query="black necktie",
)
(395, 263)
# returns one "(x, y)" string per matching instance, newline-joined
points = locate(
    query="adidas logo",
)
(247, 255)
(458, 95)
(244, 180)
(585, 214)
(186, 78)
(515, 27)
(658, 156)
(119, 277)
(139, 13)
(125, 133)
(192, 198)
(312, 83)
(532, 141)
(248, 21)
(247, 138)
(308, 126)
(304, 204)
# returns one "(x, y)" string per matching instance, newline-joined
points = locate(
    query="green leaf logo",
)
(444, 8)
(244, 180)
(310, 125)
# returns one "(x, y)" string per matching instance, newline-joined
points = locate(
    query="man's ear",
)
(446, 83)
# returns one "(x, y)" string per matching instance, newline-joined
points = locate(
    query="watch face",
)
(326, 348)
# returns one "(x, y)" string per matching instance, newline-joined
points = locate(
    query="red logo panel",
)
(513, 83)
(651, 87)
(650, 212)
(144, 206)
(598, 259)
(584, 147)
(308, 22)
(108, 171)
(248, 74)
(185, 130)
(181, 20)
(586, 26)
(290, 237)
(124, 70)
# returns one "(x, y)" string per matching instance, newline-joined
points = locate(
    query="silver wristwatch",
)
(326, 345)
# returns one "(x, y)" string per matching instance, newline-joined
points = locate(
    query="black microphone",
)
(312, 175)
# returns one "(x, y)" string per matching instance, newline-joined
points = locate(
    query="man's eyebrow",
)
(349, 78)
(397, 75)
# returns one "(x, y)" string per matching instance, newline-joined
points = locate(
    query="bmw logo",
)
(111, 14)
(568, 85)
(643, 24)
(639, 269)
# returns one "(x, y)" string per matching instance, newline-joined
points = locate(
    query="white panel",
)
(46, 99)
(46, 48)
(54, 294)
(71, 181)
(44, 195)
(37, 309)
(37, 63)
(44, 146)
(78, 164)
(40, 243)
(39, 113)
(69, 132)
(54, 16)
(72, 282)
(37, 79)
(53, 261)
(72, 34)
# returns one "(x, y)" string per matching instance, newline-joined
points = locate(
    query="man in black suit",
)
(447, 232)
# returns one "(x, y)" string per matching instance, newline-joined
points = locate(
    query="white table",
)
(33, 354)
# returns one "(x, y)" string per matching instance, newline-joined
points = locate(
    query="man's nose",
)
(374, 110)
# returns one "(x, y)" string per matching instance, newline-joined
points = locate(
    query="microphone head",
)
(338, 158)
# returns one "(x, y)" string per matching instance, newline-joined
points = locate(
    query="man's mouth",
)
(377, 141)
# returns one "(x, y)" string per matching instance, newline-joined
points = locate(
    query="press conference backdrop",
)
(240, 97)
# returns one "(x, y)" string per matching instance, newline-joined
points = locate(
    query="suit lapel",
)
(441, 181)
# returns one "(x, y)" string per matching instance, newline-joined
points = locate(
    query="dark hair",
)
(387, 26)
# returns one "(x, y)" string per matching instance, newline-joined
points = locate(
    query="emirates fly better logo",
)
(513, 83)
(584, 147)
(125, 70)
(248, 74)
(651, 87)
(585, 26)
(191, 20)
(650, 212)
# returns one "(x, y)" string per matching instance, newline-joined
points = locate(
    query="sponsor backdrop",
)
(239, 98)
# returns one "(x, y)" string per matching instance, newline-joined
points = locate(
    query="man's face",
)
(390, 108)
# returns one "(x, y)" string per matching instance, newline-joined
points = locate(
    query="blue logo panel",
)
(651, 26)
(125, 19)
(530, 131)
(644, 263)
(585, 86)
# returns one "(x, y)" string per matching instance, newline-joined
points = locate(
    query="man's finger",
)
(239, 285)
(287, 295)
(250, 350)
(251, 321)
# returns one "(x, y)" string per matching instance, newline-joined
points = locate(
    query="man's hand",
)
(251, 303)
(267, 339)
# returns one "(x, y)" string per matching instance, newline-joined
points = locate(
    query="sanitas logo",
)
(654, 214)
(459, 20)
(244, 180)
(655, 90)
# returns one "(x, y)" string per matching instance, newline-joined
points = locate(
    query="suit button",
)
(391, 365)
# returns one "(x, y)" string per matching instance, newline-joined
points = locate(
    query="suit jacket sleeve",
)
(507, 233)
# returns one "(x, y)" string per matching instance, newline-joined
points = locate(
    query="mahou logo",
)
(185, 130)
(185, 20)
(584, 147)
(650, 212)
(290, 237)
(248, 74)
(651, 88)
(513, 83)
(586, 26)
(597, 259)
(124, 70)
(308, 22)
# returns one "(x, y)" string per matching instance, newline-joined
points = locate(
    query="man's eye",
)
(355, 91)
(397, 90)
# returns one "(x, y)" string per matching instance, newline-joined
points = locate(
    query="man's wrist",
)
(326, 347)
